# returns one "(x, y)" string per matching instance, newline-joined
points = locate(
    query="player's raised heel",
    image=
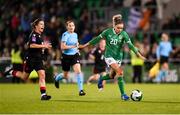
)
(125, 97)
(45, 97)
(56, 82)
(82, 93)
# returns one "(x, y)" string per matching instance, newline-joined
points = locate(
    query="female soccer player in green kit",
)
(115, 38)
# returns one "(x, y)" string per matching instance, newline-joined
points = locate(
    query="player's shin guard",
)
(121, 85)
(80, 81)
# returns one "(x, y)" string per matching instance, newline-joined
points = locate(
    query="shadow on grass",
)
(95, 101)
(167, 102)
(82, 101)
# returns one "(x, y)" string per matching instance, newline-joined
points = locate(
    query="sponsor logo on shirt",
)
(34, 39)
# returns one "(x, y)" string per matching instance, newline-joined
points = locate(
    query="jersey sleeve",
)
(33, 39)
(128, 41)
(98, 38)
(64, 37)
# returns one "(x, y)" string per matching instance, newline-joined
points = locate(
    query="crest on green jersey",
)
(120, 37)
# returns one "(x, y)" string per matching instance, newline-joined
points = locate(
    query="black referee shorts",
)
(164, 59)
(69, 60)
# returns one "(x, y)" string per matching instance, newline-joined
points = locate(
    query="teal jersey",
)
(114, 43)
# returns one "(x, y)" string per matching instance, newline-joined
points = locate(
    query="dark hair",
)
(36, 21)
(69, 21)
(165, 33)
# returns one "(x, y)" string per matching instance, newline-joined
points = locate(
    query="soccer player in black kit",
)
(97, 54)
(33, 58)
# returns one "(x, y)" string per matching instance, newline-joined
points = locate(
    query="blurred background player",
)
(17, 61)
(97, 54)
(137, 64)
(70, 57)
(115, 38)
(33, 58)
(17, 57)
(163, 52)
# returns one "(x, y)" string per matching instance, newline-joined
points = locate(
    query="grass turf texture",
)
(25, 98)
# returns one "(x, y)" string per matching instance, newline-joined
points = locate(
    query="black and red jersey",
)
(99, 58)
(35, 53)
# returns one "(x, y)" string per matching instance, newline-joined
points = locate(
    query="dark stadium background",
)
(91, 17)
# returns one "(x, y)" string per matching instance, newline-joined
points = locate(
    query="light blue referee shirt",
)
(70, 39)
(164, 49)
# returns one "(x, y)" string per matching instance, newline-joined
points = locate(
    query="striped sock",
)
(43, 90)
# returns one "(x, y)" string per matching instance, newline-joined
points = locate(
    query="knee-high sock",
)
(105, 77)
(162, 74)
(43, 90)
(121, 85)
(59, 77)
(80, 81)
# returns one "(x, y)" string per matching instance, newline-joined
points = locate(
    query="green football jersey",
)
(114, 43)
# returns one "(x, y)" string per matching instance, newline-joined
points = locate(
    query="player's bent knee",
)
(120, 72)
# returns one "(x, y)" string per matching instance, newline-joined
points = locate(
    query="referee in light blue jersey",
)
(163, 52)
(164, 49)
(70, 57)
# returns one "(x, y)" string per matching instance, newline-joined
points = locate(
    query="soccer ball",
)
(136, 95)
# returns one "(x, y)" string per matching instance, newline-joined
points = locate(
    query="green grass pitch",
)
(25, 98)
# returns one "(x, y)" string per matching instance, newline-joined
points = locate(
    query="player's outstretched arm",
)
(92, 42)
(140, 55)
(83, 46)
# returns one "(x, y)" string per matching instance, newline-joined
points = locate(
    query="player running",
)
(97, 54)
(115, 38)
(70, 57)
(33, 58)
